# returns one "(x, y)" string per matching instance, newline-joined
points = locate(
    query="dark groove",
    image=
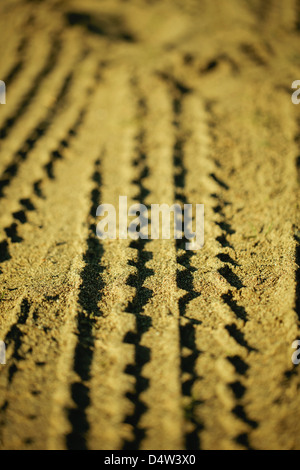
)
(226, 227)
(231, 277)
(15, 336)
(219, 181)
(214, 63)
(111, 26)
(238, 389)
(223, 241)
(239, 311)
(298, 164)
(20, 216)
(179, 88)
(241, 413)
(4, 252)
(240, 365)
(12, 75)
(11, 232)
(211, 65)
(243, 440)
(29, 206)
(251, 52)
(225, 258)
(37, 189)
(238, 336)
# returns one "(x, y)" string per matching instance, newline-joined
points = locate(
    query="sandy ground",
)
(143, 345)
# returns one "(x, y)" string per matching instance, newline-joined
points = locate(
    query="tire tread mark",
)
(184, 274)
(89, 296)
(14, 336)
(21, 155)
(47, 68)
(142, 295)
(226, 271)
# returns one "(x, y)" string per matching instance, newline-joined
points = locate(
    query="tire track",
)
(12, 170)
(21, 216)
(18, 67)
(226, 271)
(48, 67)
(15, 336)
(184, 277)
(15, 45)
(89, 296)
(46, 143)
(203, 184)
(58, 300)
(239, 391)
(113, 355)
(142, 294)
(23, 130)
(21, 156)
(160, 391)
(34, 52)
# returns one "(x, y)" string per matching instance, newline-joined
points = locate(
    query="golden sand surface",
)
(121, 344)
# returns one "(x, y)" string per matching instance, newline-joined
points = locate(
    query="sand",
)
(121, 344)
